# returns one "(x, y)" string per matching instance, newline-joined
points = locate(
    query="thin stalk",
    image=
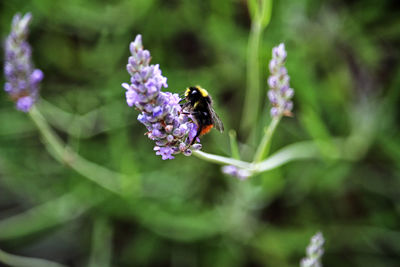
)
(263, 148)
(297, 151)
(104, 177)
(252, 97)
(234, 145)
(222, 160)
(261, 16)
(101, 244)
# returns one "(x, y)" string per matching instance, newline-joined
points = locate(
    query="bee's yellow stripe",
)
(202, 91)
(187, 92)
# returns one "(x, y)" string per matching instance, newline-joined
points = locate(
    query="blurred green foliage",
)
(343, 59)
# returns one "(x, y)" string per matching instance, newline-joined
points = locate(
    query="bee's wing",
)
(216, 120)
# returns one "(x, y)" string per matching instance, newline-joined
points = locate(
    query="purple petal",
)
(25, 103)
(36, 76)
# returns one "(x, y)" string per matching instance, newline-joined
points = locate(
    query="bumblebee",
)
(199, 105)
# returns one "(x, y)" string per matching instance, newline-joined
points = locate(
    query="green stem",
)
(101, 244)
(300, 150)
(252, 97)
(104, 177)
(53, 142)
(297, 151)
(234, 145)
(20, 261)
(261, 17)
(222, 160)
(263, 148)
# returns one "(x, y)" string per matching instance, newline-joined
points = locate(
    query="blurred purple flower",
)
(231, 170)
(280, 94)
(314, 252)
(22, 80)
(161, 113)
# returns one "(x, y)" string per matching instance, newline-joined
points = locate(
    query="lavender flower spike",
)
(161, 113)
(22, 80)
(280, 94)
(314, 252)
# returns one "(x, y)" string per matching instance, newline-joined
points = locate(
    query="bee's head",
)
(194, 93)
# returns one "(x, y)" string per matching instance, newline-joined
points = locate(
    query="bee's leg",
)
(185, 105)
(199, 128)
(195, 137)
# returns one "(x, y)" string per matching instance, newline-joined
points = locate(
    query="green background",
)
(343, 59)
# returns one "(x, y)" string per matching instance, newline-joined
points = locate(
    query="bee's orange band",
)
(206, 129)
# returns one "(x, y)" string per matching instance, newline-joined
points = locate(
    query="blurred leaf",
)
(46, 215)
(101, 244)
(19, 261)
